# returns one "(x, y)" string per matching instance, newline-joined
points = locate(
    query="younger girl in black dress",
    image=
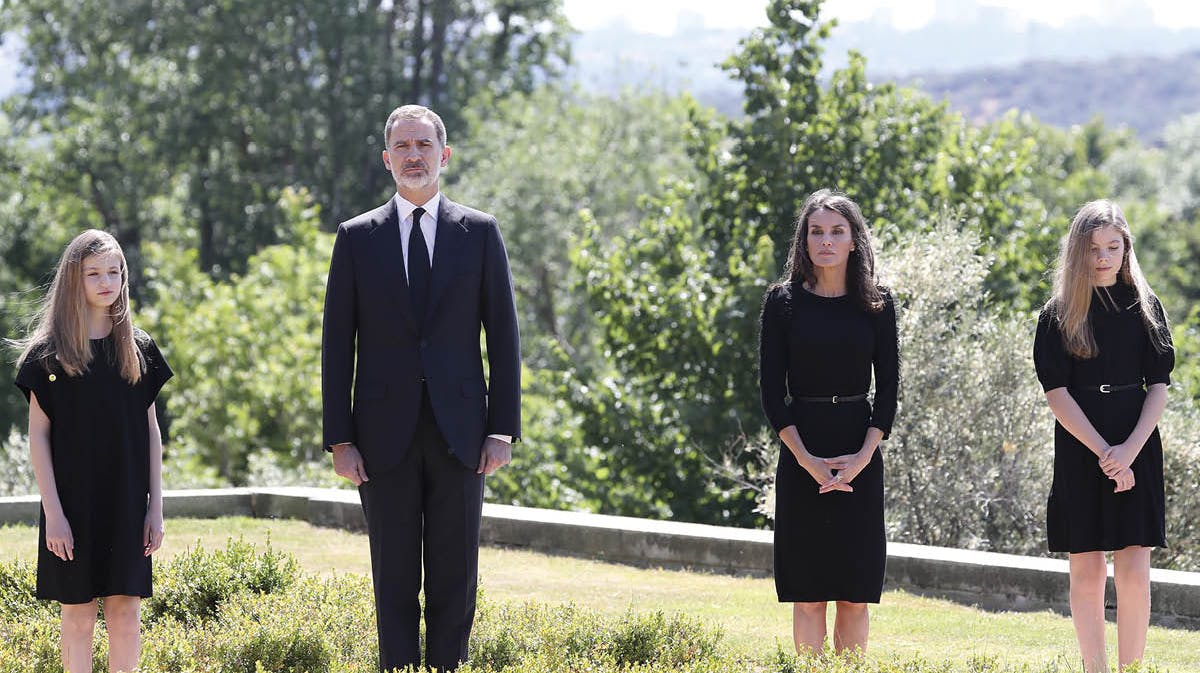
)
(91, 380)
(1103, 356)
(826, 326)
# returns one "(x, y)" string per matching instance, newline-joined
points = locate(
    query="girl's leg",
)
(1132, 574)
(122, 617)
(78, 626)
(808, 627)
(1088, 575)
(851, 626)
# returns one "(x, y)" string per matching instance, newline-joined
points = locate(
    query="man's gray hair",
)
(414, 113)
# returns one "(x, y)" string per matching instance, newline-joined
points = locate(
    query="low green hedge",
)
(239, 610)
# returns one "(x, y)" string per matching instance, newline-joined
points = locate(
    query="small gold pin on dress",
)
(53, 378)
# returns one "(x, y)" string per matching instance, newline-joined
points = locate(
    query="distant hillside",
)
(1143, 93)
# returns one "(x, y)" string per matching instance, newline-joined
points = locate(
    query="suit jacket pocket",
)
(473, 388)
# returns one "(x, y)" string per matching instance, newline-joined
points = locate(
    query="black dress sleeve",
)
(886, 362)
(773, 358)
(1157, 365)
(36, 375)
(157, 373)
(1050, 357)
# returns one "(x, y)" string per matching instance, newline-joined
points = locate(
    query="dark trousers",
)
(429, 505)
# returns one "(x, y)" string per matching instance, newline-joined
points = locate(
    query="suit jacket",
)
(372, 343)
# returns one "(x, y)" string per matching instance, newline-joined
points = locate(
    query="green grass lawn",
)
(744, 608)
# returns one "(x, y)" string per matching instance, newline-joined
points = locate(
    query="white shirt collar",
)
(404, 207)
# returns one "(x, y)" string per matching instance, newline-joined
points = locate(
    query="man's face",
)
(414, 156)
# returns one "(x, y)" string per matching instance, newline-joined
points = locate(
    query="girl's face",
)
(1107, 251)
(830, 239)
(102, 279)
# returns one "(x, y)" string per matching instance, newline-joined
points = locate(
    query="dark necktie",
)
(418, 267)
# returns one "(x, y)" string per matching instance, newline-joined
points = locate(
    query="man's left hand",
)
(496, 454)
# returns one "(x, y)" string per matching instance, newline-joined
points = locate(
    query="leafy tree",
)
(246, 350)
(234, 100)
(538, 161)
(678, 297)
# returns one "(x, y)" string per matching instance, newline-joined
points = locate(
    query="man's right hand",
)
(348, 463)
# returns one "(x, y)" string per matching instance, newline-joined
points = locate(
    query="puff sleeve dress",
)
(1082, 512)
(100, 452)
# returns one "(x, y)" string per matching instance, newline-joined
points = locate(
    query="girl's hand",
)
(1125, 480)
(152, 532)
(59, 540)
(1119, 457)
(848, 466)
(826, 480)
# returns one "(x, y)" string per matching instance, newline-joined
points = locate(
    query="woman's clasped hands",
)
(834, 474)
(1117, 463)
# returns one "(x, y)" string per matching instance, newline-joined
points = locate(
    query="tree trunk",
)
(437, 48)
(418, 50)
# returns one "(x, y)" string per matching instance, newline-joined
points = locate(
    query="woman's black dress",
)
(831, 546)
(100, 450)
(1082, 513)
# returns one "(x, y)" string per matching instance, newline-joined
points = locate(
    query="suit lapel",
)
(389, 260)
(447, 250)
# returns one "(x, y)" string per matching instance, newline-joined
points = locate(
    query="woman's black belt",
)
(833, 399)
(1108, 387)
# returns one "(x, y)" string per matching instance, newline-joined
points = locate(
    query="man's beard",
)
(412, 181)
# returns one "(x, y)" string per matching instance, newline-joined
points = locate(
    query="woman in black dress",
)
(826, 325)
(91, 380)
(1104, 357)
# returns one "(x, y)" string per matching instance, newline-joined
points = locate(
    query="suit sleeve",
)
(338, 333)
(503, 339)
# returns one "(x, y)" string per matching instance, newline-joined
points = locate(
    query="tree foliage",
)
(232, 101)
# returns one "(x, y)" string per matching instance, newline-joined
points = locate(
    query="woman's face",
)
(1107, 251)
(830, 239)
(102, 279)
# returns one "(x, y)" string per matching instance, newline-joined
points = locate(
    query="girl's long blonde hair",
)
(1073, 285)
(61, 325)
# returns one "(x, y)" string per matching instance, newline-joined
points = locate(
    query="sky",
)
(659, 16)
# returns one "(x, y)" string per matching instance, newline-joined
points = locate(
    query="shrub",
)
(192, 586)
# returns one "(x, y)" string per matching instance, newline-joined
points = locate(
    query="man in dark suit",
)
(410, 284)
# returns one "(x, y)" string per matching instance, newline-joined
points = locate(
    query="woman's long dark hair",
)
(860, 268)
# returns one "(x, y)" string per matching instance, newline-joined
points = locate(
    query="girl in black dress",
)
(1103, 356)
(91, 380)
(826, 326)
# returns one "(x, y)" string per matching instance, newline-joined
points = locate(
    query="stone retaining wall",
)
(990, 580)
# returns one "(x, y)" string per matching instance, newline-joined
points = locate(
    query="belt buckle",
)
(1105, 388)
(834, 399)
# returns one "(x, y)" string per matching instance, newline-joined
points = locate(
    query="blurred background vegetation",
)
(222, 142)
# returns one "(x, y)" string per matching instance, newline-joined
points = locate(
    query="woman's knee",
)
(79, 618)
(849, 608)
(811, 609)
(122, 614)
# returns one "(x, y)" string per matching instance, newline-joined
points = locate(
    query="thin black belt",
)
(1108, 387)
(833, 399)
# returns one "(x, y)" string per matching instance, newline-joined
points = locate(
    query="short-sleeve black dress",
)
(100, 451)
(1082, 513)
(831, 546)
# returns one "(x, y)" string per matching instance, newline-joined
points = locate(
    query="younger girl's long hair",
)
(860, 269)
(1073, 280)
(61, 325)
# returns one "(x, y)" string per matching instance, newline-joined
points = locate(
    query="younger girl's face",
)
(829, 239)
(102, 279)
(1107, 252)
